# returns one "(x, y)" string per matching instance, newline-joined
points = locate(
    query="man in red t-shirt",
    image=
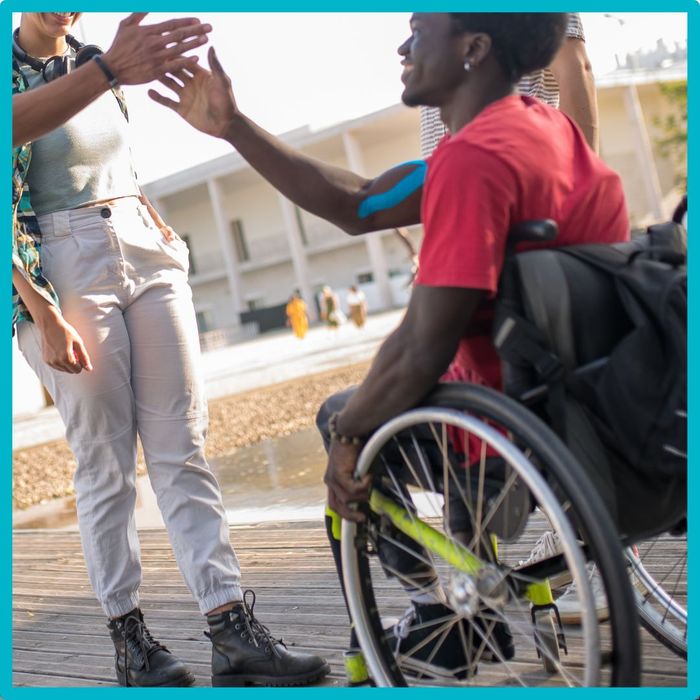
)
(509, 159)
(518, 160)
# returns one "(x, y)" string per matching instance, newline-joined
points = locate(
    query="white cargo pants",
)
(124, 289)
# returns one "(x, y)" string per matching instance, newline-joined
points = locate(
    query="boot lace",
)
(259, 633)
(138, 639)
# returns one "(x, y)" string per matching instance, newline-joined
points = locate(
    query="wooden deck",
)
(59, 633)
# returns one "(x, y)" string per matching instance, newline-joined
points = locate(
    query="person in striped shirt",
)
(567, 83)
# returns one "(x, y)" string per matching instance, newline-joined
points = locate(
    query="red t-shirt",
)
(517, 160)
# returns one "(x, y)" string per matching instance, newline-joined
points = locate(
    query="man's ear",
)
(476, 47)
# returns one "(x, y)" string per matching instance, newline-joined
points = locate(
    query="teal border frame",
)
(7, 692)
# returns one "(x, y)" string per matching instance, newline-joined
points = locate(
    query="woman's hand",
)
(167, 231)
(142, 53)
(205, 99)
(62, 347)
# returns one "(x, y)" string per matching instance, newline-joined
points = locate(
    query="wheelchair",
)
(658, 569)
(463, 486)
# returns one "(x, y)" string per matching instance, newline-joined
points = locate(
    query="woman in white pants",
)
(130, 366)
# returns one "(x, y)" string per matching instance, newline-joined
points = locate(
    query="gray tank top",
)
(86, 160)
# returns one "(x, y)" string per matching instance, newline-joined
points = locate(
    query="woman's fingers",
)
(175, 64)
(82, 358)
(134, 18)
(186, 26)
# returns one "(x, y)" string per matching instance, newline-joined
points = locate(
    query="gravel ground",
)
(44, 472)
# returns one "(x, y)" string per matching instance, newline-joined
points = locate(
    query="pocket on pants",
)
(60, 259)
(177, 250)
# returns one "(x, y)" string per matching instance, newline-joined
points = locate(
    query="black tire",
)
(566, 477)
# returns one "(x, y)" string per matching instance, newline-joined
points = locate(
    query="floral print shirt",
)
(26, 236)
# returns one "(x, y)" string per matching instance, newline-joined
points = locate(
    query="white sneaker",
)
(548, 546)
(569, 603)
(402, 627)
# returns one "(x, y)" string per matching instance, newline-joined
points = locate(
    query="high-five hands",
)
(204, 98)
(142, 53)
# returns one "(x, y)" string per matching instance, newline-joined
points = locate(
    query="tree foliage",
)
(673, 143)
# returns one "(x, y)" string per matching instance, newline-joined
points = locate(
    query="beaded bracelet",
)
(111, 79)
(343, 439)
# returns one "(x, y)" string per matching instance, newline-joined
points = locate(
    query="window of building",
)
(205, 322)
(364, 277)
(186, 237)
(239, 242)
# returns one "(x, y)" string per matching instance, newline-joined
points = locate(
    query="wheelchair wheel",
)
(658, 569)
(457, 540)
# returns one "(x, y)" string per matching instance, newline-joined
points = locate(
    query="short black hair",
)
(523, 42)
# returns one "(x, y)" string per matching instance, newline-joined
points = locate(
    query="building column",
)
(373, 241)
(299, 260)
(645, 154)
(228, 250)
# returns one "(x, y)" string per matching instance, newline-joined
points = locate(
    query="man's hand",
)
(343, 488)
(62, 347)
(140, 54)
(205, 99)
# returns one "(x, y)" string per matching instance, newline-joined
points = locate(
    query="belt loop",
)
(61, 223)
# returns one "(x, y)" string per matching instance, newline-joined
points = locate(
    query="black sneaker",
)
(431, 641)
(141, 661)
(244, 653)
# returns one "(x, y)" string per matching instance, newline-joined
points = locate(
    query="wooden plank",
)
(60, 637)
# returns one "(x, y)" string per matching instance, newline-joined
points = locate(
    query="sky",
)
(294, 69)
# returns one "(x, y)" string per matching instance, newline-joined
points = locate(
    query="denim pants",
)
(124, 289)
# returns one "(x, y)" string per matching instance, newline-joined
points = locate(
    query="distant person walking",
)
(297, 317)
(331, 312)
(357, 306)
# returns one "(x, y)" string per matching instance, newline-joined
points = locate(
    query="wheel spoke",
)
(421, 469)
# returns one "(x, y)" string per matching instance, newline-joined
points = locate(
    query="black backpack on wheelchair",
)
(593, 339)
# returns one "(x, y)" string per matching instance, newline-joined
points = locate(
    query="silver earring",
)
(467, 65)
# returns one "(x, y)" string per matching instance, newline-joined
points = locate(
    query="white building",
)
(250, 247)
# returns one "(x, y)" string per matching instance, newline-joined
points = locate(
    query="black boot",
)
(243, 653)
(140, 661)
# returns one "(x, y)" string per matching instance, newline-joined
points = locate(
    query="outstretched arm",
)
(354, 203)
(139, 54)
